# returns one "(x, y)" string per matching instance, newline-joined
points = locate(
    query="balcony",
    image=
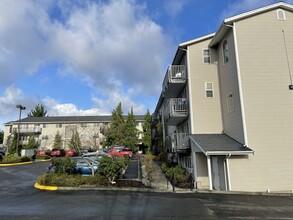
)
(175, 80)
(176, 111)
(178, 143)
(35, 130)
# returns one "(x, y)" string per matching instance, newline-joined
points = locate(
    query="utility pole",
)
(17, 141)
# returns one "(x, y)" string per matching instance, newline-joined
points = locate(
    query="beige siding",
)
(268, 104)
(206, 111)
(232, 121)
(202, 181)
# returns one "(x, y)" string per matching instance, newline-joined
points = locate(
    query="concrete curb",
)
(14, 164)
(22, 163)
(49, 188)
(135, 189)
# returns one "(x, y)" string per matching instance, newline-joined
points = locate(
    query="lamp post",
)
(17, 141)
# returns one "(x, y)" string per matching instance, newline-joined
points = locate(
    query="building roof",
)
(229, 21)
(70, 119)
(219, 144)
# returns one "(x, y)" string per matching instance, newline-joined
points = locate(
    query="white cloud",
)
(112, 46)
(69, 109)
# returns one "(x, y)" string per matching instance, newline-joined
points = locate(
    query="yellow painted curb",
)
(52, 188)
(14, 164)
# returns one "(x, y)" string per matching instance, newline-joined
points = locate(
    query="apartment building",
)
(226, 103)
(91, 129)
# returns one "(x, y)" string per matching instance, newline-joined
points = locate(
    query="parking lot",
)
(20, 200)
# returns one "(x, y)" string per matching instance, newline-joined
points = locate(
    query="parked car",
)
(43, 152)
(82, 166)
(57, 152)
(70, 153)
(120, 151)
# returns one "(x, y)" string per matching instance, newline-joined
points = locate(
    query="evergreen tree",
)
(147, 139)
(32, 143)
(39, 111)
(75, 143)
(57, 141)
(131, 132)
(116, 133)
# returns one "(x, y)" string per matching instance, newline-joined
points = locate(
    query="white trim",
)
(227, 153)
(283, 18)
(206, 56)
(210, 173)
(240, 86)
(258, 11)
(228, 183)
(206, 89)
(189, 93)
(186, 43)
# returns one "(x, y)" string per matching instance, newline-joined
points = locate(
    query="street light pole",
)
(17, 141)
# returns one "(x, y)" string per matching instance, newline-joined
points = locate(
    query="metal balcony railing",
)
(175, 74)
(177, 107)
(28, 130)
(177, 142)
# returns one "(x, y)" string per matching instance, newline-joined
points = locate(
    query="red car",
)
(57, 152)
(120, 151)
(70, 153)
(42, 153)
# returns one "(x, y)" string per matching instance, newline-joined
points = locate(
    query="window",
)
(209, 90)
(59, 125)
(206, 54)
(230, 103)
(281, 15)
(225, 51)
(45, 125)
(44, 137)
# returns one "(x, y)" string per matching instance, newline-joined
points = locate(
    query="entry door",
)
(218, 172)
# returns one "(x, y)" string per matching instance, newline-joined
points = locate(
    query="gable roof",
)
(219, 144)
(228, 22)
(70, 119)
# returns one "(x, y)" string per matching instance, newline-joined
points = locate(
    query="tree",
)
(131, 132)
(1, 136)
(32, 143)
(39, 111)
(116, 133)
(57, 141)
(147, 139)
(74, 143)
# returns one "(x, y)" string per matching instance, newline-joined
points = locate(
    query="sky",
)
(83, 57)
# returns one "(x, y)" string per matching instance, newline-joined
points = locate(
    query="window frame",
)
(283, 17)
(225, 48)
(204, 56)
(209, 90)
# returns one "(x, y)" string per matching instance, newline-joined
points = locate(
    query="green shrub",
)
(176, 174)
(111, 167)
(65, 180)
(43, 157)
(13, 159)
(63, 165)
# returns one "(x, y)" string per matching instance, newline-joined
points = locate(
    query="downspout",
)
(210, 172)
(239, 83)
(228, 187)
